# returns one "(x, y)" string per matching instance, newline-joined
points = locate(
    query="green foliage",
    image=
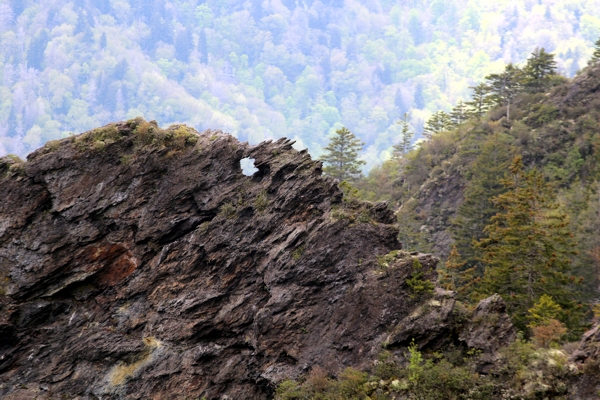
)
(237, 66)
(341, 156)
(385, 260)
(454, 276)
(350, 192)
(505, 86)
(539, 70)
(480, 101)
(544, 310)
(406, 134)
(98, 138)
(297, 253)
(227, 210)
(528, 247)
(488, 168)
(542, 114)
(262, 201)
(438, 122)
(596, 55)
(416, 283)
(521, 372)
(415, 363)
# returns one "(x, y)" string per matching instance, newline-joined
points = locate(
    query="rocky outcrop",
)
(587, 359)
(137, 262)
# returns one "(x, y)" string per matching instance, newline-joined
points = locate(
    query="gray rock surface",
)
(138, 263)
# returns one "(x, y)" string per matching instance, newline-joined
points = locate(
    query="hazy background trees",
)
(270, 69)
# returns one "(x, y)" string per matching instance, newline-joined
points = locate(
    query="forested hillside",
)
(260, 70)
(509, 197)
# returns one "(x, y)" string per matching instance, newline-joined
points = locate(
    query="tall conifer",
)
(477, 208)
(341, 156)
(596, 56)
(505, 86)
(528, 247)
(406, 135)
(438, 122)
(539, 70)
(480, 102)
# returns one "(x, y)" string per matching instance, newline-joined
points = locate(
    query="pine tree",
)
(183, 45)
(456, 277)
(527, 249)
(203, 47)
(342, 156)
(505, 86)
(596, 56)
(35, 55)
(438, 122)
(477, 208)
(480, 102)
(539, 70)
(400, 149)
(459, 114)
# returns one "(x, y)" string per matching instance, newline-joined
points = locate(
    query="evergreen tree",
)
(459, 114)
(438, 122)
(120, 70)
(183, 45)
(596, 56)
(406, 135)
(35, 55)
(539, 70)
(477, 208)
(454, 276)
(419, 98)
(203, 47)
(341, 156)
(527, 249)
(505, 86)
(480, 102)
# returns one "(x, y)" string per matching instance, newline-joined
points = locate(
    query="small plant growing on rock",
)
(126, 159)
(297, 254)
(417, 284)
(227, 210)
(339, 215)
(261, 202)
(415, 363)
(385, 260)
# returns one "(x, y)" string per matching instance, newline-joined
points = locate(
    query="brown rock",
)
(141, 263)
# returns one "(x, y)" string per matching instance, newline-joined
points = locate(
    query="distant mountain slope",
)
(262, 70)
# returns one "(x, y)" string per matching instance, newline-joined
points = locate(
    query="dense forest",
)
(270, 69)
(508, 194)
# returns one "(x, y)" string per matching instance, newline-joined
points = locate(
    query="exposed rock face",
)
(142, 263)
(587, 358)
(489, 329)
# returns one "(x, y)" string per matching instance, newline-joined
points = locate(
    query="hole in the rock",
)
(248, 167)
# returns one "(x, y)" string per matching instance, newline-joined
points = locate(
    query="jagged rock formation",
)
(587, 359)
(137, 262)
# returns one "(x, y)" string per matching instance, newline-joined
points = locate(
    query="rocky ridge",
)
(138, 262)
